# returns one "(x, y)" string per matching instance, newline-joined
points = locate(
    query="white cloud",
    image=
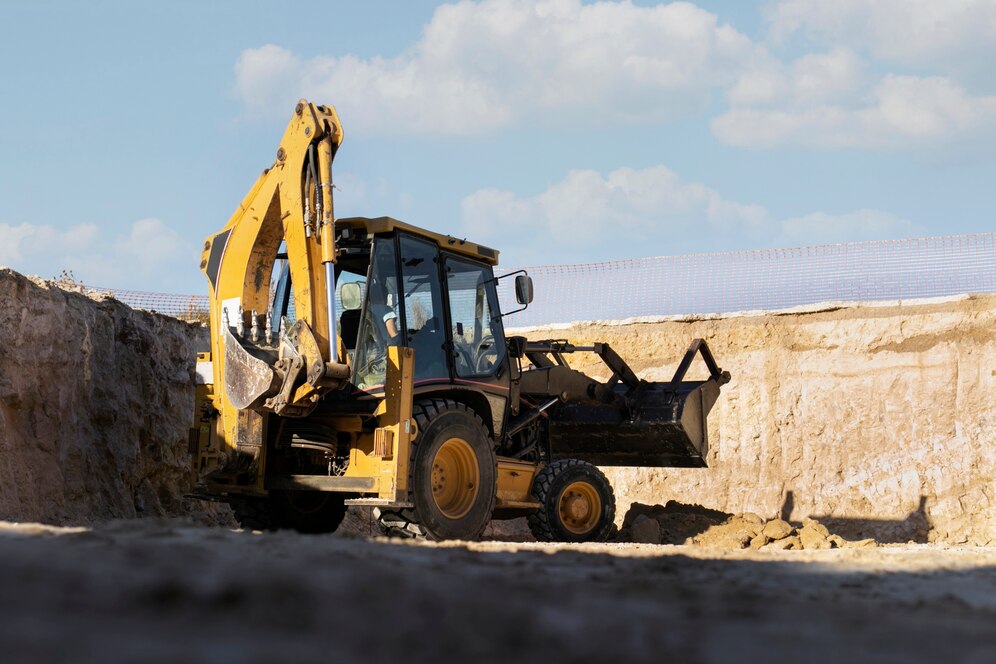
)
(652, 211)
(950, 36)
(812, 79)
(481, 66)
(25, 241)
(899, 112)
(150, 255)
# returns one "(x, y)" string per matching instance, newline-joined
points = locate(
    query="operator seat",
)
(349, 326)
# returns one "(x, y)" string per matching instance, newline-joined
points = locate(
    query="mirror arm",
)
(510, 274)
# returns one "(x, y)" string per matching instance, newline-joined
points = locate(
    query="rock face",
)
(95, 404)
(880, 421)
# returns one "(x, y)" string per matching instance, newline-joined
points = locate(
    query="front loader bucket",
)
(664, 424)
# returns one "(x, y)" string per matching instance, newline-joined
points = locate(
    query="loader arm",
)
(283, 370)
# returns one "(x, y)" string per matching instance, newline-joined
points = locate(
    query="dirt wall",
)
(880, 420)
(95, 401)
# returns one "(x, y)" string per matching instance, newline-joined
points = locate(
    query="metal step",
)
(377, 502)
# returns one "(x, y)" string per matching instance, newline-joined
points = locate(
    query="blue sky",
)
(556, 131)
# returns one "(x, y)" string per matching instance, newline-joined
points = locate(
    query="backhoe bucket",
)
(664, 425)
(248, 379)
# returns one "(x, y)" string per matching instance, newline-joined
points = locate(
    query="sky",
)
(556, 131)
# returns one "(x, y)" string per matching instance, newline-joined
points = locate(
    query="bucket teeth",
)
(254, 330)
(240, 324)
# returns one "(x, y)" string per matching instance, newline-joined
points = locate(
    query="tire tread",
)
(405, 523)
(539, 520)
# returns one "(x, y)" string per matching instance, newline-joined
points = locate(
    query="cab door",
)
(422, 312)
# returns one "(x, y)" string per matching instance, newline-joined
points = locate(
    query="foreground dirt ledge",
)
(167, 591)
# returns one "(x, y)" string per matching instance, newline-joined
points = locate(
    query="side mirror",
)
(351, 296)
(524, 289)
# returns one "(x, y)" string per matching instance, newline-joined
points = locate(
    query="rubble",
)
(701, 526)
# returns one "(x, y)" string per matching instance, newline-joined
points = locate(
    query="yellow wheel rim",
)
(455, 478)
(580, 508)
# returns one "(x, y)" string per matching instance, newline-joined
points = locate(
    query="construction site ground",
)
(875, 422)
(158, 590)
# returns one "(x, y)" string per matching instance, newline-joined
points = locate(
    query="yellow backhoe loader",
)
(364, 362)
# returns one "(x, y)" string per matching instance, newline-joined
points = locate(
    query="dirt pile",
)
(95, 400)
(878, 421)
(675, 523)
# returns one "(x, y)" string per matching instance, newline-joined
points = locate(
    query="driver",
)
(388, 314)
(378, 337)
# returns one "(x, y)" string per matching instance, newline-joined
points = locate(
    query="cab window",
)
(478, 346)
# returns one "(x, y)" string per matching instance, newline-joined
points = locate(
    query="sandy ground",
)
(170, 591)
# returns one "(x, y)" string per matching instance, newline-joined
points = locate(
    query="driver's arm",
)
(391, 324)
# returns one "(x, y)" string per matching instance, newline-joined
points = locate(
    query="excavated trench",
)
(877, 421)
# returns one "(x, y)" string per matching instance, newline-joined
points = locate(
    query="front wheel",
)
(576, 503)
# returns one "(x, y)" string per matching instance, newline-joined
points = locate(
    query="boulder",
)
(777, 529)
(813, 524)
(645, 530)
(811, 538)
(786, 543)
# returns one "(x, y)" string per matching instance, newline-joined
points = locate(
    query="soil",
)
(165, 591)
(849, 423)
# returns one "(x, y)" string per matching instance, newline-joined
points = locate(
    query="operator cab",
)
(396, 288)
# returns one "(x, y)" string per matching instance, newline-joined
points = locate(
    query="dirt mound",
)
(676, 523)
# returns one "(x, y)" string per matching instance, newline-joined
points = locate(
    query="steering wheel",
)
(486, 355)
(464, 358)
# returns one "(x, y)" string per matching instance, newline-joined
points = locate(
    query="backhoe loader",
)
(363, 361)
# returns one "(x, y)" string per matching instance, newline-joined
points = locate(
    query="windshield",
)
(477, 345)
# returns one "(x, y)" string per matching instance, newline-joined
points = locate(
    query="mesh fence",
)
(757, 279)
(188, 307)
(720, 282)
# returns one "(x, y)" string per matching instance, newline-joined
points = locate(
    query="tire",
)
(253, 513)
(310, 512)
(577, 503)
(452, 476)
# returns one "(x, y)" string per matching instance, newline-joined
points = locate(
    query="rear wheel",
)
(303, 511)
(576, 503)
(452, 476)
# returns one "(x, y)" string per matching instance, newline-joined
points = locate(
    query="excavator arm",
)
(283, 370)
